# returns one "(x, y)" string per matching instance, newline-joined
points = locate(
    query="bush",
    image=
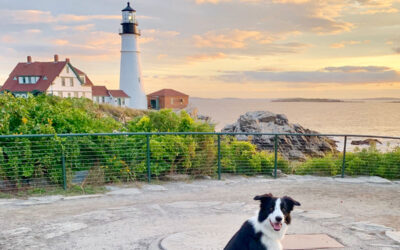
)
(243, 158)
(23, 161)
(369, 162)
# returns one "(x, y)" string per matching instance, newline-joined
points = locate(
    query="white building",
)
(58, 78)
(102, 95)
(130, 71)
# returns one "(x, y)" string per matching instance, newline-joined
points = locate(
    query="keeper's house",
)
(167, 99)
(58, 78)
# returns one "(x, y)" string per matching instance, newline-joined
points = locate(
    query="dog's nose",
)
(278, 218)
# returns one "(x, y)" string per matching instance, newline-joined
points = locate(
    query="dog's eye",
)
(283, 210)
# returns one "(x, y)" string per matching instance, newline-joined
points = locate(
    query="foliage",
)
(243, 157)
(369, 161)
(37, 162)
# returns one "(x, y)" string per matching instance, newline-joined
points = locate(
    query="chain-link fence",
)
(30, 161)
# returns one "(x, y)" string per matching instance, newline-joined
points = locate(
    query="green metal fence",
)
(65, 160)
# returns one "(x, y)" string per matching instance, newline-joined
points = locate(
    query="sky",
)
(219, 48)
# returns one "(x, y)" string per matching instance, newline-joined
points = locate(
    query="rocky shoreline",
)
(292, 147)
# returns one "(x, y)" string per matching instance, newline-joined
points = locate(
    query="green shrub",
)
(367, 162)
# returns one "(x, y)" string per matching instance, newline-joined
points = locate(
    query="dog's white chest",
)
(271, 244)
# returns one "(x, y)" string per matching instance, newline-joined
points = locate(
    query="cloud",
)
(211, 1)
(345, 43)
(206, 57)
(38, 16)
(396, 50)
(341, 75)
(235, 39)
(60, 42)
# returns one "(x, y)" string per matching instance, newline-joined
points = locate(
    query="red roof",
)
(118, 93)
(88, 82)
(167, 92)
(49, 69)
(43, 69)
(100, 91)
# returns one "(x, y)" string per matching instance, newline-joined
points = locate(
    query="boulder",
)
(366, 142)
(290, 146)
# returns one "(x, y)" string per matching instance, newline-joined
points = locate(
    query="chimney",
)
(29, 59)
(67, 60)
(55, 58)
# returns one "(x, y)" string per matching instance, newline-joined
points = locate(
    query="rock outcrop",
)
(366, 142)
(290, 146)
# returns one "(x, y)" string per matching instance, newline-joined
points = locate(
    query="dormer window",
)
(83, 78)
(28, 79)
(15, 78)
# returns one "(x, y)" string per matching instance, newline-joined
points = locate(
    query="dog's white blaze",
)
(277, 212)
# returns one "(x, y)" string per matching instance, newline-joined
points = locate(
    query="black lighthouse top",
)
(129, 23)
(129, 8)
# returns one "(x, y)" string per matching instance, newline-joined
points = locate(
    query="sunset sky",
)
(219, 48)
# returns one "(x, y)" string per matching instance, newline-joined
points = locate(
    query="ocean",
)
(367, 117)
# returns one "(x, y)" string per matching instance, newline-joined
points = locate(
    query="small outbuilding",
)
(167, 99)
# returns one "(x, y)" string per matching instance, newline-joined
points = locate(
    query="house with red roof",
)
(114, 97)
(58, 78)
(167, 99)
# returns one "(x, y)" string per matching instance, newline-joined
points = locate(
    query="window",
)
(76, 94)
(67, 69)
(60, 94)
(69, 94)
(27, 79)
(123, 101)
(181, 101)
(63, 81)
(103, 99)
(71, 81)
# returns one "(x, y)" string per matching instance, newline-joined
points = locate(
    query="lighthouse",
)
(130, 79)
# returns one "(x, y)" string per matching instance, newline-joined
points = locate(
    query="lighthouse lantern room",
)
(130, 71)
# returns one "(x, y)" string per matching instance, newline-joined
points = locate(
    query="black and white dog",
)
(265, 230)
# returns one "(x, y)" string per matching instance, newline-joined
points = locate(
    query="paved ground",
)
(361, 213)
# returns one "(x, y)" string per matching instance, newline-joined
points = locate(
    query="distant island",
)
(306, 100)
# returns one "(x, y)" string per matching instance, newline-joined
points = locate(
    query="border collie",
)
(265, 230)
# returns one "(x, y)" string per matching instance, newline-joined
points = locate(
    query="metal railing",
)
(29, 161)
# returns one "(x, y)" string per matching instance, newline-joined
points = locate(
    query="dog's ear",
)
(290, 202)
(263, 197)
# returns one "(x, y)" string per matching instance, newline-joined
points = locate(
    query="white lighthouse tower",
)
(130, 79)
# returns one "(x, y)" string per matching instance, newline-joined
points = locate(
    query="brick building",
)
(167, 99)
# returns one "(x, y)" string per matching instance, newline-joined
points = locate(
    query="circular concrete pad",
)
(194, 240)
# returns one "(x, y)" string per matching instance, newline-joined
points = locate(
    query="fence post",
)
(344, 156)
(64, 171)
(276, 156)
(219, 157)
(148, 159)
